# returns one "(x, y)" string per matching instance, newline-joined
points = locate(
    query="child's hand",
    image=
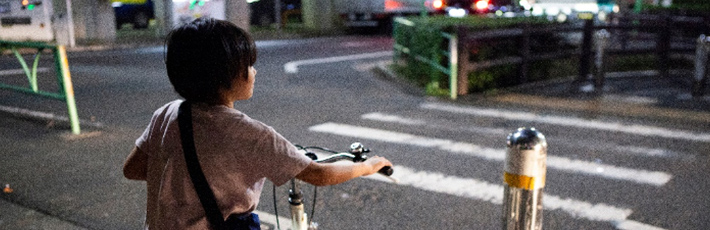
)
(376, 163)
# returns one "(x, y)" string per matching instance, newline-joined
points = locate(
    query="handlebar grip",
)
(387, 171)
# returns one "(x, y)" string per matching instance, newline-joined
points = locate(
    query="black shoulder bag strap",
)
(209, 203)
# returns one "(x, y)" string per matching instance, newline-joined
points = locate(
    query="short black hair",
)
(205, 56)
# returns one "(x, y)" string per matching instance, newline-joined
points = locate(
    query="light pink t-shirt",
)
(236, 154)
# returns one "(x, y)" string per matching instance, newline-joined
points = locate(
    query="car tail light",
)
(481, 5)
(438, 4)
(392, 5)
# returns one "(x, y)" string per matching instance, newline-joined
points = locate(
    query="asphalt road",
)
(634, 158)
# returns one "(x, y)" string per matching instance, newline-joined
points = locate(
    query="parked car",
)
(136, 12)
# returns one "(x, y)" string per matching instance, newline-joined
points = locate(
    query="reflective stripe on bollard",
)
(524, 177)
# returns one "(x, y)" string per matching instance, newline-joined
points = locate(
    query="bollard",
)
(601, 38)
(524, 177)
(701, 65)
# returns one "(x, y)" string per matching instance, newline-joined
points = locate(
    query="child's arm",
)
(320, 174)
(136, 165)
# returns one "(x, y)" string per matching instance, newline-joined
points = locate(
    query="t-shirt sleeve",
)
(142, 141)
(281, 160)
(159, 116)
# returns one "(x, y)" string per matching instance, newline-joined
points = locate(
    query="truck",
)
(379, 13)
(460, 8)
(563, 10)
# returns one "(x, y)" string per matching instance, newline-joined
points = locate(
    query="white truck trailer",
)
(378, 13)
(563, 10)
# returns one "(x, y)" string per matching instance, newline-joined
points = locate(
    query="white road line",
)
(419, 122)
(642, 130)
(21, 71)
(20, 112)
(654, 178)
(392, 118)
(485, 191)
(632, 150)
(292, 67)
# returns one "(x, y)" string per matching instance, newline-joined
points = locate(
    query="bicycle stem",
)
(295, 199)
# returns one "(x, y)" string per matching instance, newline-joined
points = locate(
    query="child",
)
(210, 64)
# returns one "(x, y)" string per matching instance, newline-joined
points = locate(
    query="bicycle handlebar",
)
(356, 154)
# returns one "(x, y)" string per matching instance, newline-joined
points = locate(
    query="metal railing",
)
(450, 54)
(61, 65)
(456, 62)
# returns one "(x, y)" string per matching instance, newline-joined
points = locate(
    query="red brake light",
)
(482, 5)
(392, 5)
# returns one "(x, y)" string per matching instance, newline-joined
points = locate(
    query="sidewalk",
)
(637, 94)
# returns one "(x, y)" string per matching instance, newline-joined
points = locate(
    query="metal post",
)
(62, 64)
(453, 66)
(601, 38)
(524, 177)
(701, 65)
(277, 14)
(70, 24)
(586, 56)
(463, 63)
(663, 45)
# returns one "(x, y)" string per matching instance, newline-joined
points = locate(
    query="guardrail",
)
(660, 35)
(449, 68)
(61, 65)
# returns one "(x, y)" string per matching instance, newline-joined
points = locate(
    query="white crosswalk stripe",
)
(429, 124)
(482, 190)
(571, 122)
(485, 191)
(560, 163)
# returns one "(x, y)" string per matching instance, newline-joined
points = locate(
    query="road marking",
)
(642, 130)
(392, 118)
(292, 67)
(627, 149)
(20, 112)
(419, 122)
(489, 192)
(654, 178)
(21, 71)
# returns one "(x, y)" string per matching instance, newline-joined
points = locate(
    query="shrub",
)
(424, 38)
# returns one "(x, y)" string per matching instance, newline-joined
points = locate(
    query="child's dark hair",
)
(205, 56)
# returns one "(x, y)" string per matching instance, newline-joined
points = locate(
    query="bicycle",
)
(299, 219)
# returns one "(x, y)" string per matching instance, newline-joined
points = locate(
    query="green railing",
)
(434, 61)
(61, 65)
